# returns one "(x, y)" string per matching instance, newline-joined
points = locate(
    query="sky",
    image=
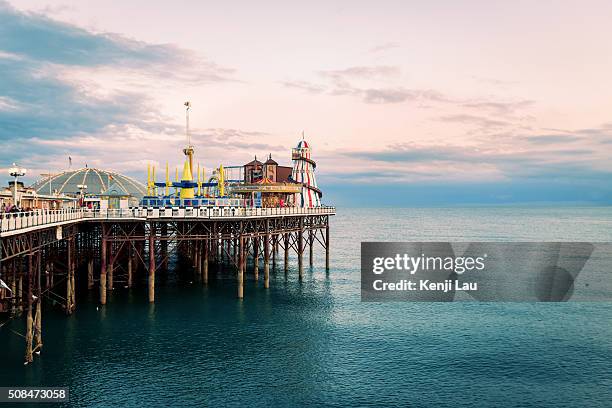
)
(403, 102)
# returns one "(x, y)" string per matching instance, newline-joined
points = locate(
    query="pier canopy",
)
(88, 181)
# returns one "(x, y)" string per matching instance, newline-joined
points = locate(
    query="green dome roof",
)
(96, 180)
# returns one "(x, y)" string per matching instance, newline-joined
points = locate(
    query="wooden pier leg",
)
(14, 290)
(38, 326)
(38, 319)
(241, 265)
(164, 246)
(256, 258)
(51, 275)
(197, 255)
(286, 252)
(19, 288)
(218, 257)
(274, 250)
(111, 268)
(236, 251)
(267, 258)
(310, 242)
(73, 288)
(152, 264)
(205, 263)
(69, 280)
(47, 276)
(28, 353)
(103, 267)
(90, 274)
(327, 246)
(300, 249)
(226, 251)
(129, 266)
(197, 258)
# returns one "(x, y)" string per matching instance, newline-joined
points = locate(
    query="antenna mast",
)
(188, 106)
(188, 150)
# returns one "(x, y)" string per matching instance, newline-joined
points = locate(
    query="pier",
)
(47, 254)
(110, 230)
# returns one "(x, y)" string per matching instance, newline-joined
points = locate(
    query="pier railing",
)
(35, 218)
(10, 222)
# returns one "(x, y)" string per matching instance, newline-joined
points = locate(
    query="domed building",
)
(89, 181)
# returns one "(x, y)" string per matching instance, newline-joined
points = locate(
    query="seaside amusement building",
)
(72, 188)
(267, 184)
(88, 185)
(256, 184)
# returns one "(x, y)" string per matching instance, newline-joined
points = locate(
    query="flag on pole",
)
(69, 161)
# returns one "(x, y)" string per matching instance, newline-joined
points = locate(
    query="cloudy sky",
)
(404, 103)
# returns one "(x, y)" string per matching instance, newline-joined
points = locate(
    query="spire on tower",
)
(187, 107)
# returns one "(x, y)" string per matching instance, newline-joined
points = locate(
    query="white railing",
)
(34, 218)
(203, 212)
(40, 218)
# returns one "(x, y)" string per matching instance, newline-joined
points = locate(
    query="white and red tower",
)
(303, 172)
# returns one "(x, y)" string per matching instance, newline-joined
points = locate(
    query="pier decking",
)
(47, 254)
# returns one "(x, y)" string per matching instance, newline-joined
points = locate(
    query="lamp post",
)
(16, 172)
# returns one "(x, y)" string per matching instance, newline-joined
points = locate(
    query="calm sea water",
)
(315, 344)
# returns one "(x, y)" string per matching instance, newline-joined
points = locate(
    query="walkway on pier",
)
(21, 222)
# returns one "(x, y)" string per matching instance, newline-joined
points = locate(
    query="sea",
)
(314, 343)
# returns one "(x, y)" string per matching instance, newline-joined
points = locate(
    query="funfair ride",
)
(187, 192)
(231, 187)
(303, 173)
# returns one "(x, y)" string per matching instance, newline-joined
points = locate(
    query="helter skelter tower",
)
(303, 172)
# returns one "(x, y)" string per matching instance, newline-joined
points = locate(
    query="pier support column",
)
(38, 318)
(266, 244)
(111, 268)
(152, 264)
(300, 249)
(205, 263)
(73, 287)
(28, 352)
(130, 266)
(164, 246)
(111, 272)
(90, 274)
(286, 266)
(197, 258)
(241, 265)
(255, 242)
(103, 267)
(274, 250)
(327, 246)
(47, 276)
(14, 290)
(310, 243)
(19, 287)
(51, 274)
(218, 257)
(69, 278)
(38, 326)
(236, 251)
